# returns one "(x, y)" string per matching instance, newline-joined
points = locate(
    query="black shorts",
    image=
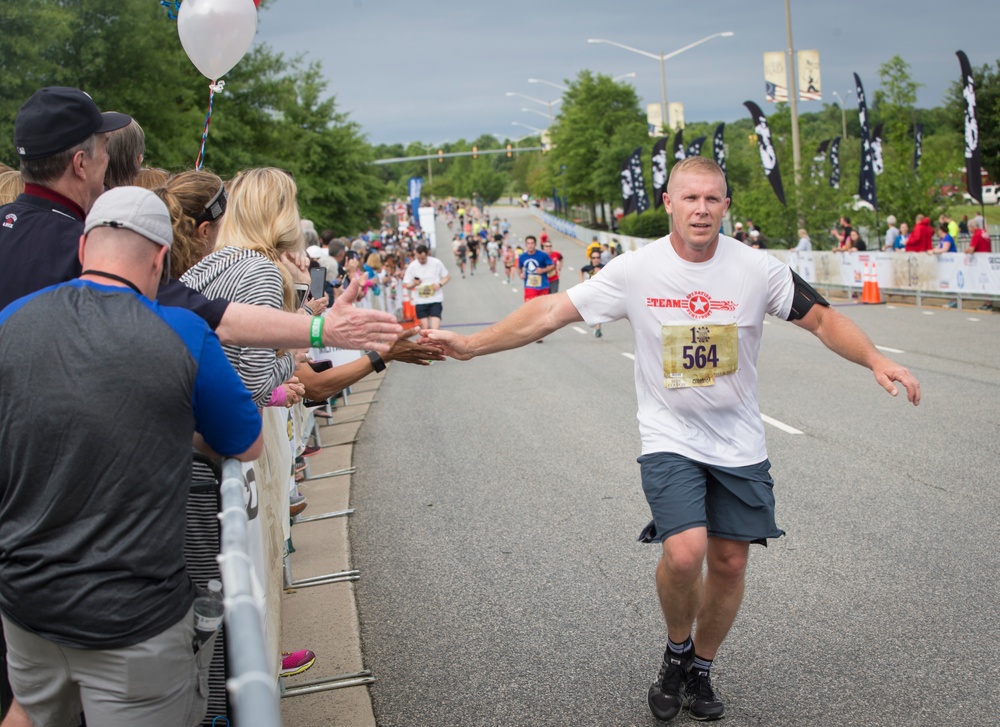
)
(736, 503)
(429, 310)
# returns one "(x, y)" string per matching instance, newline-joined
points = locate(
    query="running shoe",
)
(597, 333)
(297, 508)
(310, 450)
(666, 694)
(700, 698)
(296, 662)
(300, 464)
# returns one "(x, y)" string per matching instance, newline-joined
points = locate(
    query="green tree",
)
(599, 124)
(895, 102)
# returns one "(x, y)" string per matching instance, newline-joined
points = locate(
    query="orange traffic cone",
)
(869, 291)
(409, 312)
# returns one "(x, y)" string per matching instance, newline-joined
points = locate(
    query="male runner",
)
(696, 301)
(557, 263)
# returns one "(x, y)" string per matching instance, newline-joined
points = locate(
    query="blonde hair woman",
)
(261, 224)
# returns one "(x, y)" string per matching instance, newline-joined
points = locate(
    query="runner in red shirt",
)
(557, 261)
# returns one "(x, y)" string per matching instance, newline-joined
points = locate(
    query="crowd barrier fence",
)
(953, 276)
(253, 690)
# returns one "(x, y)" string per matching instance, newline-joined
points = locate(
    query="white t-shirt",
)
(654, 287)
(432, 271)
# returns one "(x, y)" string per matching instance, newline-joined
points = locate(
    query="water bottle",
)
(208, 610)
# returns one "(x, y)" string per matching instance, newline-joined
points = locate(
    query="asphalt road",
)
(499, 503)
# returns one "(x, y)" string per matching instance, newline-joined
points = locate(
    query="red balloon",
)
(256, 3)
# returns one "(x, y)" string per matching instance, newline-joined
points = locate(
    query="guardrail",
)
(252, 686)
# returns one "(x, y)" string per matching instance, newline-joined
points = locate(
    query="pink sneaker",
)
(296, 662)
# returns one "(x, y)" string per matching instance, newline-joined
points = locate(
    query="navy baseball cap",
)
(57, 118)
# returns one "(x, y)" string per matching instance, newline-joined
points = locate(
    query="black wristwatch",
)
(377, 361)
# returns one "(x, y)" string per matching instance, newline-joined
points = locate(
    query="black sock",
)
(701, 664)
(681, 649)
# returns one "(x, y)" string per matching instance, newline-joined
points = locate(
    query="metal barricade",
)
(252, 685)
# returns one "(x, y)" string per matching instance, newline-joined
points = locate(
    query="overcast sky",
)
(438, 71)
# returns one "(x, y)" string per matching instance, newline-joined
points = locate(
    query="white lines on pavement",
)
(928, 313)
(974, 320)
(628, 355)
(889, 350)
(780, 425)
(579, 330)
(767, 323)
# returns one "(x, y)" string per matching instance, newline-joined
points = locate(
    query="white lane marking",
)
(889, 350)
(767, 323)
(629, 355)
(571, 269)
(780, 425)
(579, 330)
(974, 320)
(928, 313)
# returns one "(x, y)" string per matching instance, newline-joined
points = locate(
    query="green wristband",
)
(316, 332)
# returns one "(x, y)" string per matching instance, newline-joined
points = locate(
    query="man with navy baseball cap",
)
(59, 135)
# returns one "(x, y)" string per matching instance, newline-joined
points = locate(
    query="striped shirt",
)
(246, 276)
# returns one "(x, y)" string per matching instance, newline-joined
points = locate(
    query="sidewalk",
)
(325, 618)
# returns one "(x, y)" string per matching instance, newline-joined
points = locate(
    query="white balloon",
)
(216, 34)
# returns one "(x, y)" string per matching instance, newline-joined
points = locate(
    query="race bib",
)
(425, 291)
(693, 355)
(533, 281)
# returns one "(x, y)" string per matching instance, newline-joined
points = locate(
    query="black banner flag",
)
(628, 189)
(818, 158)
(877, 163)
(719, 147)
(679, 145)
(973, 166)
(659, 171)
(866, 178)
(638, 181)
(918, 145)
(694, 148)
(768, 157)
(835, 163)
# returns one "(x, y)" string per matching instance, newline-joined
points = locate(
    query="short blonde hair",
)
(11, 185)
(151, 177)
(697, 165)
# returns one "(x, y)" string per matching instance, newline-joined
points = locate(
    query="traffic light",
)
(475, 152)
(440, 156)
(509, 154)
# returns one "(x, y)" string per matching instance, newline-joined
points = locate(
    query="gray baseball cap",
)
(132, 208)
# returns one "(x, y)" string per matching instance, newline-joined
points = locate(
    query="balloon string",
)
(213, 87)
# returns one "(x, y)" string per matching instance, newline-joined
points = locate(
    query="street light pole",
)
(560, 86)
(662, 58)
(843, 114)
(793, 95)
(546, 104)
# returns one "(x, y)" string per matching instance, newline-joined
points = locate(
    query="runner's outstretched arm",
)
(842, 336)
(532, 321)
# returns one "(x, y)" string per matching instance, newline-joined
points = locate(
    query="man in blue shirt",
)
(534, 267)
(95, 597)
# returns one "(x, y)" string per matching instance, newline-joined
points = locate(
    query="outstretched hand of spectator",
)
(451, 343)
(359, 329)
(414, 352)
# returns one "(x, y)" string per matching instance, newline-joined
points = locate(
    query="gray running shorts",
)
(736, 503)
